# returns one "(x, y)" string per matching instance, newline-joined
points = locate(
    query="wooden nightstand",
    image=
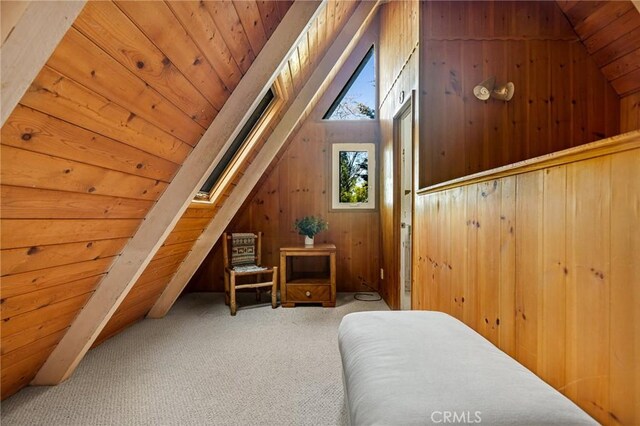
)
(307, 287)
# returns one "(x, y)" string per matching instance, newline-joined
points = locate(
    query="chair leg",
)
(232, 289)
(226, 288)
(274, 289)
(258, 279)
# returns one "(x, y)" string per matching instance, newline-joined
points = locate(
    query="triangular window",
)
(357, 100)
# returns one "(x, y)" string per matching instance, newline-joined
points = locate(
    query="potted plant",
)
(309, 226)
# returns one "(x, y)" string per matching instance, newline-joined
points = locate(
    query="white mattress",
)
(419, 367)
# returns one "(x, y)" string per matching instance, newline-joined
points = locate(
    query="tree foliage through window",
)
(354, 177)
(357, 99)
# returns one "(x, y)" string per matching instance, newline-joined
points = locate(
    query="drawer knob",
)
(308, 294)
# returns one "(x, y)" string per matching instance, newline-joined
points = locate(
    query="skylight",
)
(235, 146)
(357, 100)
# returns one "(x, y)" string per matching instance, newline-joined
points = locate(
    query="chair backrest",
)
(242, 249)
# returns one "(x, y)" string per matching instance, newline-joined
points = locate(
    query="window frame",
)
(243, 151)
(371, 54)
(368, 147)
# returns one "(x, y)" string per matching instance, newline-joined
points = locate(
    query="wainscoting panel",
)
(543, 259)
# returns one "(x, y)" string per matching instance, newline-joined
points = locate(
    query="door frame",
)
(409, 103)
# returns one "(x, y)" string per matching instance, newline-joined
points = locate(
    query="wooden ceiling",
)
(95, 141)
(113, 115)
(198, 216)
(610, 30)
(99, 136)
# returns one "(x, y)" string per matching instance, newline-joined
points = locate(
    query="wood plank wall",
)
(610, 31)
(398, 57)
(630, 113)
(95, 141)
(546, 265)
(561, 97)
(194, 221)
(297, 184)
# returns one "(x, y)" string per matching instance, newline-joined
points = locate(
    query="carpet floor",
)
(199, 365)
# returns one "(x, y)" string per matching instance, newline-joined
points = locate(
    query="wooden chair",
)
(240, 264)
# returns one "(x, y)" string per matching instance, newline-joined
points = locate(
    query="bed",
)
(420, 367)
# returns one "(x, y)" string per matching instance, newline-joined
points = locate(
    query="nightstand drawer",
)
(308, 293)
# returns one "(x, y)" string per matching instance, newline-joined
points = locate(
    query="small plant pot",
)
(308, 242)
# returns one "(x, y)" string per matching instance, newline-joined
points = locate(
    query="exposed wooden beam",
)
(36, 33)
(333, 59)
(176, 198)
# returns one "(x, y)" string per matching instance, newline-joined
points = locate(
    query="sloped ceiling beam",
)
(35, 35)
(337, 53)
(176, 198)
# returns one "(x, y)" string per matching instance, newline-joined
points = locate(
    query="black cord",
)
(368, 296)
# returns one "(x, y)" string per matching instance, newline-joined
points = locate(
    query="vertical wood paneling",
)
(397, 67)
(567, 286)
(488, 225)
(624, 352)
(470, 297)
(398, 38)
(507, 287)
(552, 312)
(588, 234)
(458, 213)
(561, 97)
(529, 221)
(420, 292)
(296, 188)
(630, 113)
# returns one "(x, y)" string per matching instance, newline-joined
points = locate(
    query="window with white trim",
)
(353, 177)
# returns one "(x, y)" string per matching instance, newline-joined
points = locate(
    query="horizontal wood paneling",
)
(54, 231)
(571, 313)
(19, 374)
(25, 282)
(183, 236)
(40, 317)
(33, 131)
(16, 305)
(20, 202)
(29, 169)
(561, 97)
(164, 30)
(93, 144)
(610, 30)
(107, 26)
(105, 76)
(59, 96)
(13, 261)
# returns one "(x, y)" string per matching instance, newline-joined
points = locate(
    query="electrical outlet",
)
(381, 273)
